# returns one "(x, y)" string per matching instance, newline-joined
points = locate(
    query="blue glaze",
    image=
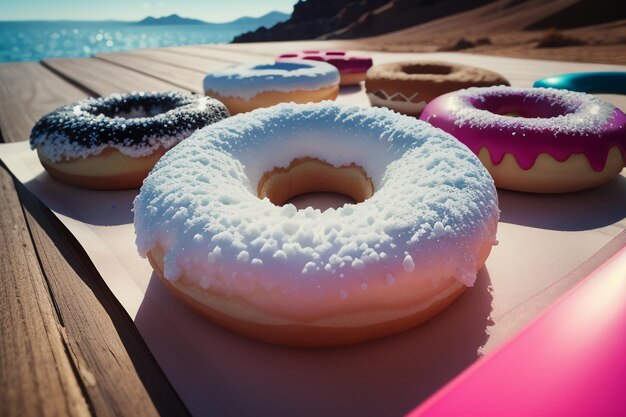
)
(284, 66)
(246, 81)
(587, 82)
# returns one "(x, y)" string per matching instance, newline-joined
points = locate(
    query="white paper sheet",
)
(216, 372)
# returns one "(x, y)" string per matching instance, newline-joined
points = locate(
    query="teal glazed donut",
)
(587, 82)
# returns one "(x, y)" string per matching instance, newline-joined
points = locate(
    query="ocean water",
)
(32, 41)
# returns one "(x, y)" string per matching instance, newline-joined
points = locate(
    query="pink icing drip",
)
(344, 61)
(508, 136)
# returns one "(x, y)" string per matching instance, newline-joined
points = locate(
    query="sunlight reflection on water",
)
(32, 41)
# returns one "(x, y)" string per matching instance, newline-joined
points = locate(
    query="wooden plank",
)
(104, 78)
(182, 77)
(37, 376)
(520, 72)
(227, 50)
(261, 52)
(109, 360)
(119, 374)
(27, 92)
(224, 52)
(194, 62)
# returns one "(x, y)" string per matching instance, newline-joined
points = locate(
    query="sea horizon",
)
(34, 40)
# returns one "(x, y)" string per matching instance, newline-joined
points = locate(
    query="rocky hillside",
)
(353, 18)
(344, 19)
(568, 30)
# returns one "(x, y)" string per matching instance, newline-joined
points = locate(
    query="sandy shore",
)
(517, 45)
(497, 30)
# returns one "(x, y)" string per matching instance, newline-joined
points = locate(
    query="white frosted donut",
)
(243, 88)
(424, 222)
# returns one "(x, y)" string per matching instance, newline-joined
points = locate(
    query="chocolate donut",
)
(407, 86)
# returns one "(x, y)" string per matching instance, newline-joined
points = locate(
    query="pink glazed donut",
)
(536, 140)
(351, 67)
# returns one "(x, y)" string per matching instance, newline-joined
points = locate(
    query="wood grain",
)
(103, 78)
(119, 374)
(67, 346)
(27, 92)
(182, 77)
(195, 62)
(37, 375)
(224, 52)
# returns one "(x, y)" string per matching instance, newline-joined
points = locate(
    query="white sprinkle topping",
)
(215, 254)
(425, 183)
(243, 256)
(279, 254)
(358, 264)
(583, 113)
(407, 264)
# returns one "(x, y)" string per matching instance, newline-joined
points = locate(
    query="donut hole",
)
(135, 108)
(310, 175)
(519, 106)
(284, 66)
(434, 69)
(320, 201)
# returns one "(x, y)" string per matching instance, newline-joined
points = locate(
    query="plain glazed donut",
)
(243, 88)
(536, 140)
(208, 217)
(112, 143)
(351, 67)
(408, 86)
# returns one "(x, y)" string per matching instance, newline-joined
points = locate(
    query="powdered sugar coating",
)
(136, 124)
(581, 113)
(246, 81)
(557, 122)
(433, 208)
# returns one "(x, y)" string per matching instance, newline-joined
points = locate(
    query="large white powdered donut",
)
(424, 225)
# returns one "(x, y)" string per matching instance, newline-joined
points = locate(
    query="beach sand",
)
(503, 29)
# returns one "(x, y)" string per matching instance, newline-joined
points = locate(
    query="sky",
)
(209, 10)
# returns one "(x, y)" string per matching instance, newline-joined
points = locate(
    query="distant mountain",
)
(267, 20)
(172, 19)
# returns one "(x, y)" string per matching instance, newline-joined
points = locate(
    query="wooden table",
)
(67, 347)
